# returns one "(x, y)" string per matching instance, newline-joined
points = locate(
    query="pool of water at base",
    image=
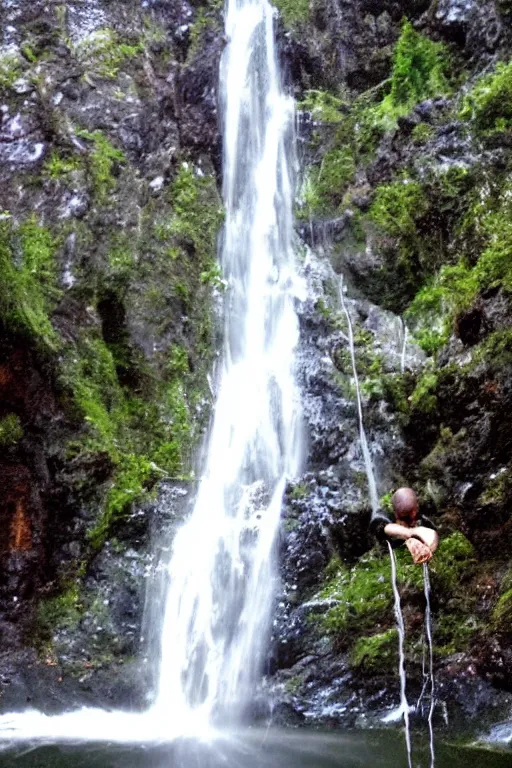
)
(257, 749)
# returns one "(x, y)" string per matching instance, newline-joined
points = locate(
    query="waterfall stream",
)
(221, 571)
(374, 500)
(404, 705)
(428, 632)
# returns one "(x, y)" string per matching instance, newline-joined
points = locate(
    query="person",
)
(417, 533)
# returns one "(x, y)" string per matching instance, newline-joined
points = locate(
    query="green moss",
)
(502, 612)
(295, 13)
(376, 653)
(299, 491)
(10, 69)
(101, 53)
(424, 398)
(365, 596)
(121, 259)
(58, 166)
(433, 308)
(101, 163)
(385, 502)
(207, 18)
(489, 103)
(422, 133)
(323, 106)
(144, 439)
(131, 477)
(178, 363)
(28, 290)
(454, 288)
(11, 430)
(494, 267)
(63, 611)
(454, 630)
(324, 185)
(197, 214)
(453, 563)
(419, 66)
(398, 206)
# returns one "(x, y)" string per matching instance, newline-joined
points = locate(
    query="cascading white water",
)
(404, 705)
(430, 645)
(221, 570)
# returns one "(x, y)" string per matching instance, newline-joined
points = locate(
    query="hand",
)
(428, 537)
(420, 553)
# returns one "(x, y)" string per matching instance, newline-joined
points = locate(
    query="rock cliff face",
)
(110, 167)
(404, 130)
(109, 158)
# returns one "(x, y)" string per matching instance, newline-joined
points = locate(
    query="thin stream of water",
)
(404, 705)
(428, 631)
(370, 473)
(372, 485)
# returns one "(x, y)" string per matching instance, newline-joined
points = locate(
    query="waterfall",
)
(428, 632)
(221, 569)
(404, 705)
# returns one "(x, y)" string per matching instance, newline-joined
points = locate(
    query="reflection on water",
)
(254, 749)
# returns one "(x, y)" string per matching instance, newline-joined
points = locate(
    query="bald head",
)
(405, 504)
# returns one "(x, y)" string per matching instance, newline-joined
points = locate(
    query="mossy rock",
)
(377, 653)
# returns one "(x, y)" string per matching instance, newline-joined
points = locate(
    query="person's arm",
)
(395, 531)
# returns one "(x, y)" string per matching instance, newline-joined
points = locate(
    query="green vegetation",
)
(424, 397)
(102, 53)
(101, 163)
(28, 290)
(376, 653)
(398, 206)
(454, 559)
(419, 72)
(327, 183)
(422, 133)
(502, 611)
(295, 13)
(60, 612)
(137, 413)
(419, 69)
(364, 597)
(196, 217)
(323, 106)
(10, 69)
(299, 491)
(207, 18)
(489, 103)
(58, 166)
(11, 430)
(454, 288)
(143, 440)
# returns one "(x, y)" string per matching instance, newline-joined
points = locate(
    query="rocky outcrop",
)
(109, 160)
(404, 190)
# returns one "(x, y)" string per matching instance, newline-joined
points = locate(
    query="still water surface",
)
(258, 749)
